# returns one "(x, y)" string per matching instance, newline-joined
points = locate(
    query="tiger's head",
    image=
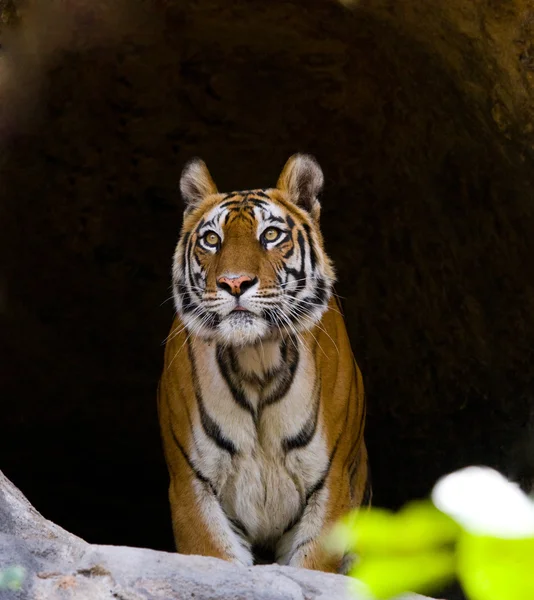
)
(251, 265)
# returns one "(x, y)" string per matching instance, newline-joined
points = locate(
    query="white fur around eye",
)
(270, 243)
(205, 238)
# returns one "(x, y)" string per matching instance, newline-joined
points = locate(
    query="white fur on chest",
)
(263, 486)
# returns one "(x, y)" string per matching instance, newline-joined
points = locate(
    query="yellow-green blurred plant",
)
(12, 578)
(478, 528)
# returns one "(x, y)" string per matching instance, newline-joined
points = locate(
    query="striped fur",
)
(261, 403)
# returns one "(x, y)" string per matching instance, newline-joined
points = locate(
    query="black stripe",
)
(290, 252)
(238, 527)
(322, 480)
(211, 428)
(286, 238)
(207, 224)
(188, 460)
(199, 226)
(317, 487)
(299, 274)
(189, 272)
(224, 368)
(231, 195)
(290, 356)
(313, 254)
(353, 466)
(320, 293)
(231, 204)
(302, 544)
(213, 431)
(302, 245)
(261, 194)
(306, 434)
(275, 219)
(185, 243)
(187, 302)
(258, 203)
(284, 350)
(368, 492)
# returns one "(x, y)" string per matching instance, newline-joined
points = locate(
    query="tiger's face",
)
(250, 266)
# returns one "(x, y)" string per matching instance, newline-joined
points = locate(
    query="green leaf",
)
(387, 577)
(496, 569)
(417, 527)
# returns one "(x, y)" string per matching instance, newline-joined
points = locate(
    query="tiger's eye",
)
(271, 234)
(212, 239)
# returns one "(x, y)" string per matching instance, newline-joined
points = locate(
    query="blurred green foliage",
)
(12, 578)
(496, 569)
(419, 549)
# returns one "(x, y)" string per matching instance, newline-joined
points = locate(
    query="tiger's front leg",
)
(200, 525)
(302, 546)
(343, 489)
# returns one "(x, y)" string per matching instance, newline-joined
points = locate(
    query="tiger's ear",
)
(196, 183)
(302, 179)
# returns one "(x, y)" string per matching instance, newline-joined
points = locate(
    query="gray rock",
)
(61, 566)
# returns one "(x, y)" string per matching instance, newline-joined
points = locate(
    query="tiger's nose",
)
(236, 285)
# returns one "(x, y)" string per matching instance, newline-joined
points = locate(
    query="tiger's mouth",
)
(241, 327)
(238, 309)
(242, 314)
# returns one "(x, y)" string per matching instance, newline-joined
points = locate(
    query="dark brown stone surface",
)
(419, 112)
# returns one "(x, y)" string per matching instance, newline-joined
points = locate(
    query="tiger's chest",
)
(260, 436)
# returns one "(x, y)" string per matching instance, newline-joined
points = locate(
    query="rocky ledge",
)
(59, 565)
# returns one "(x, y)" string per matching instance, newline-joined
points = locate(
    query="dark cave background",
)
(427, 213)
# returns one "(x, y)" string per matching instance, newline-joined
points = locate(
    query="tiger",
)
(261, 403)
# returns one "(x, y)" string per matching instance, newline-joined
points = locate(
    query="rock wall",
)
(419, 112)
